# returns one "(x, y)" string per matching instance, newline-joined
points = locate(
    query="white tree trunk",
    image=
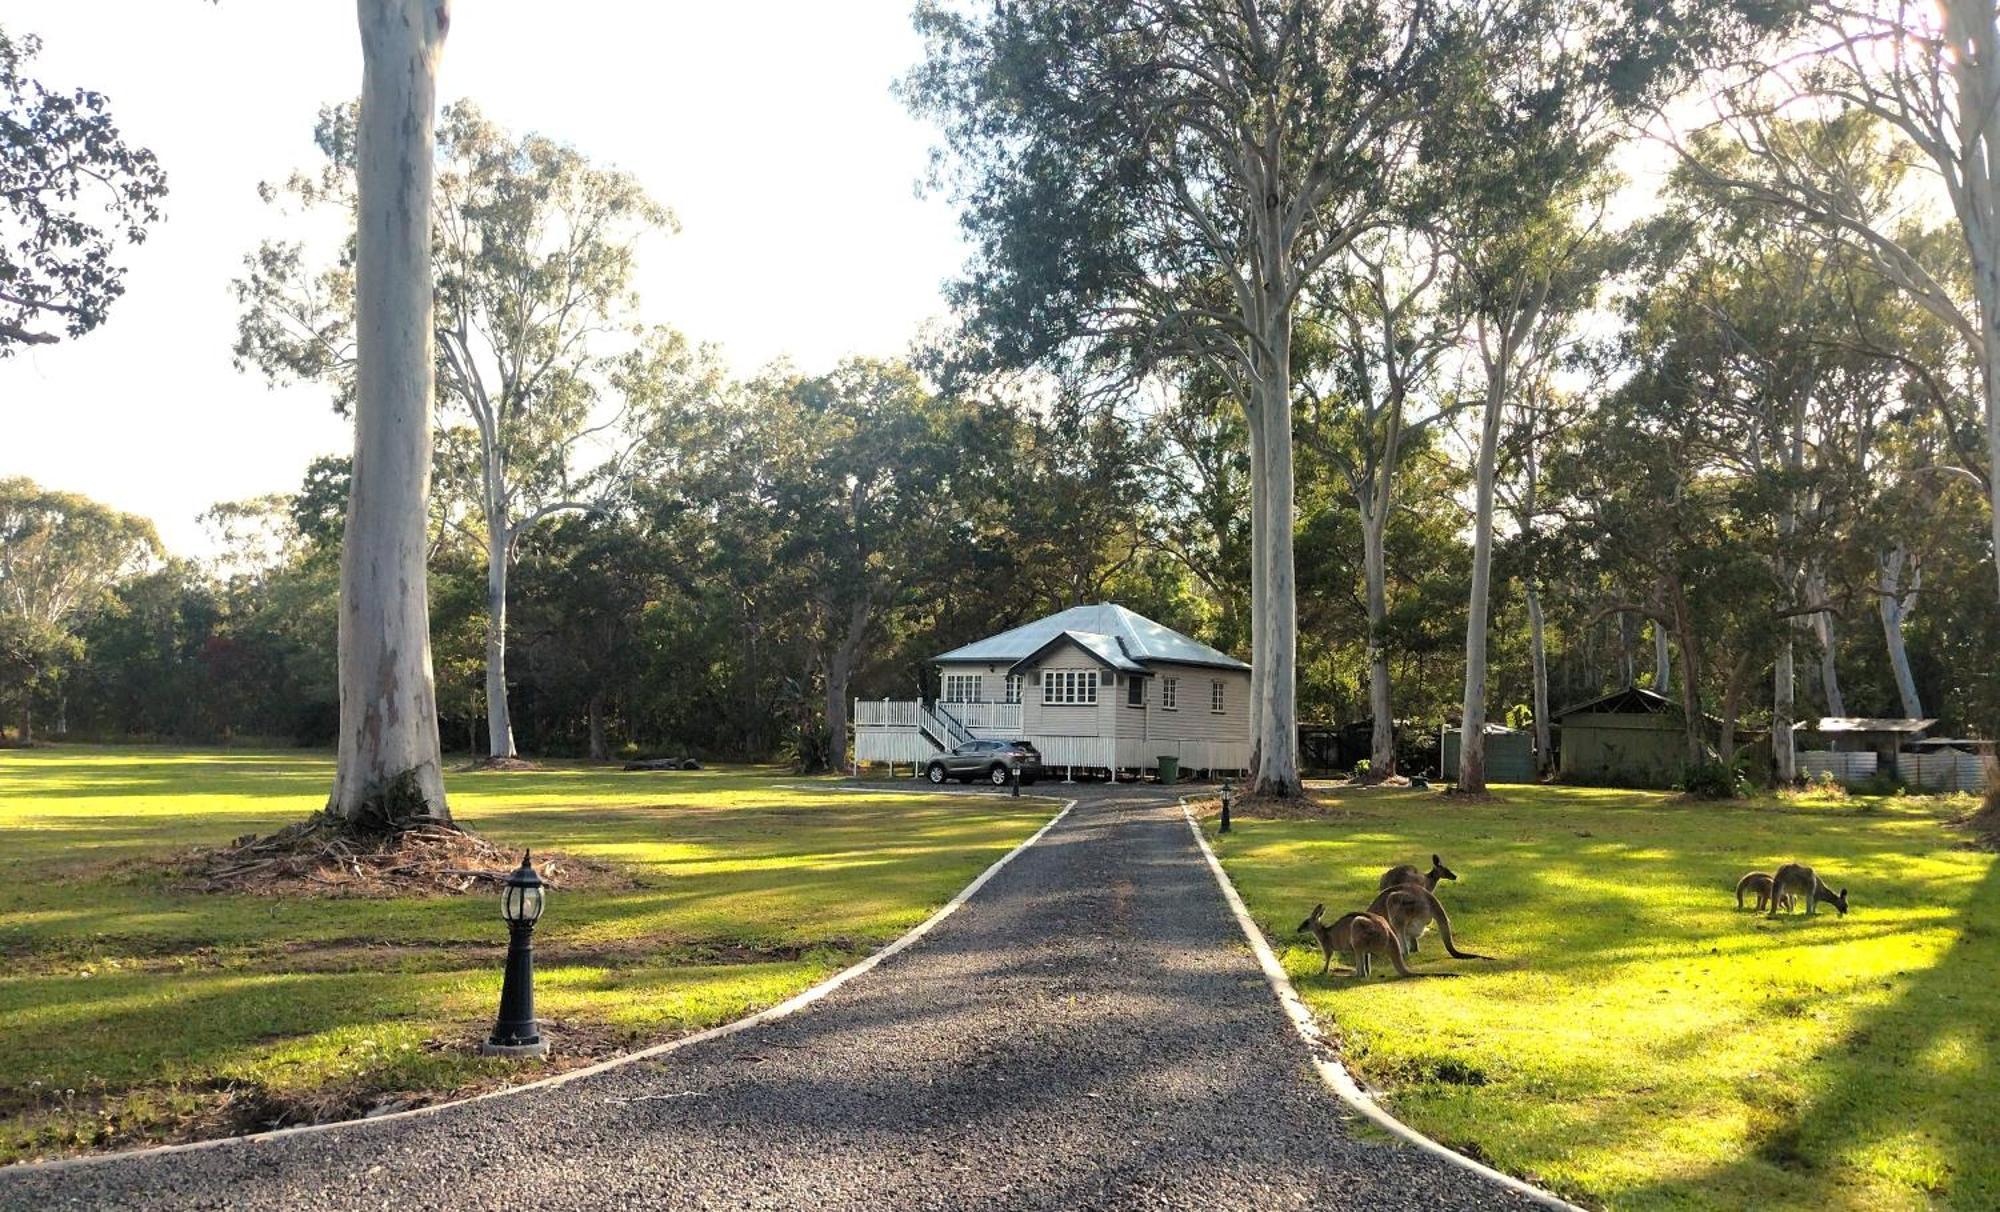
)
(1662, 660)
(1989, 329)
(1784, 748)
(1259, 583)
(499, 721)
(1823, 635)
(389, 771)
(1894, 605)
(1275, 739)
(1472, 734)
(1539, 657)
(1829, 670)
(1972, 28)
(1382, 746)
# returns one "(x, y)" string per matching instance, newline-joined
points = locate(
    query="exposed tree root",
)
(320, 856)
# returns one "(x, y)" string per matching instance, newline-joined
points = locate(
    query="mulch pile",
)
(321, 857)
(498, 763)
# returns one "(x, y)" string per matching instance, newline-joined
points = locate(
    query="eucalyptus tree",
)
(536, 338)
(1553, 388)
(61, 555)
(71, 191)
(1520, 267)
(864, 471)
(1520, 212)
(1929, 73)
(388, 772)
(1157, 181)
(1385, 342)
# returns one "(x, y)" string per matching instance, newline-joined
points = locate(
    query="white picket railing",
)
(886, 713)
(987, 719)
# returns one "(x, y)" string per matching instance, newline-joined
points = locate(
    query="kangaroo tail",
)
(1443, 920)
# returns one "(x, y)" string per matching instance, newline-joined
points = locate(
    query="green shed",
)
(1510, 754)
(1629, 738)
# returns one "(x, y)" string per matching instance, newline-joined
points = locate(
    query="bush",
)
(1361, 769)
(1714, 780)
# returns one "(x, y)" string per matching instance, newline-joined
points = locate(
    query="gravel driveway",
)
(1089, 1031)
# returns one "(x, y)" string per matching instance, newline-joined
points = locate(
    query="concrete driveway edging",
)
(1326, 1058)
(792, 1005)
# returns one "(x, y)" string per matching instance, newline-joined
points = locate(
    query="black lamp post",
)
(517, 1033)
(1228, 793)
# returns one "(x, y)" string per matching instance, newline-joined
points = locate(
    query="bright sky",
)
(767, 125)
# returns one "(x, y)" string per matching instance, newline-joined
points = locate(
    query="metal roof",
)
(1856, 723)
(1632, 700)
(1118, 636)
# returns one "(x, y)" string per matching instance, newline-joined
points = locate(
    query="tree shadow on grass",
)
(1907, 1096)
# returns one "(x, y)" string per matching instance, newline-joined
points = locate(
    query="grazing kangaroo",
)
(1799, 878)
(1758, 882)
(1410, 909)
(1361, 935)
(1408, 874)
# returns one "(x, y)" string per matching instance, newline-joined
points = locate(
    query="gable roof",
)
(1119, 637)
(1106, 648)
(1632, 700)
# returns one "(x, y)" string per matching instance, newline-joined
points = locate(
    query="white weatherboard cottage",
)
(1092, 688)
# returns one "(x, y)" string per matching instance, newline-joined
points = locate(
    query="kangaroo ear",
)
(1843, 894)
(1436, 861)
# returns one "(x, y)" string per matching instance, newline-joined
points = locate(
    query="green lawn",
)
(132, 1013)
(1641, 1044)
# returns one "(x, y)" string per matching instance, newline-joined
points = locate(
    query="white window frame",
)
(957, 684)
(1170, 694)
(1069, 688)
(1012, 693)
(1215, 697)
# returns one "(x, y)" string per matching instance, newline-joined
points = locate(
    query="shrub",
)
(1361, 769)
(1714, 780)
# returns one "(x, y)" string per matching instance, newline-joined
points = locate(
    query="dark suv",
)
(988, 759)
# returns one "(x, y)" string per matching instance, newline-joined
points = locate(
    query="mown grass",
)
(1641, 1043)
(131, 1012)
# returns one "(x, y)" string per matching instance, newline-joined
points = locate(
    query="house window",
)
(1170, 690)
(962, 688)
(1062, 686)
(1013, 688)
(1135, 691)
(1215, 696)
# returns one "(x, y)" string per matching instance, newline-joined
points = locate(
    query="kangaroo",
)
(1408, 874)
(1362, 935)
(1799, 878)
(1410, 910)
(1758, 882)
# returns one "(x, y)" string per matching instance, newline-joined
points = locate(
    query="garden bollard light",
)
(516, 1033)
(1228, 793)
(1014, 777)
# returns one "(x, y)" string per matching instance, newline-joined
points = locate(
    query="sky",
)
(767, 126)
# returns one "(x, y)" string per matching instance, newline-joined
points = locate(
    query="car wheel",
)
(998, 775)
(936, 772)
